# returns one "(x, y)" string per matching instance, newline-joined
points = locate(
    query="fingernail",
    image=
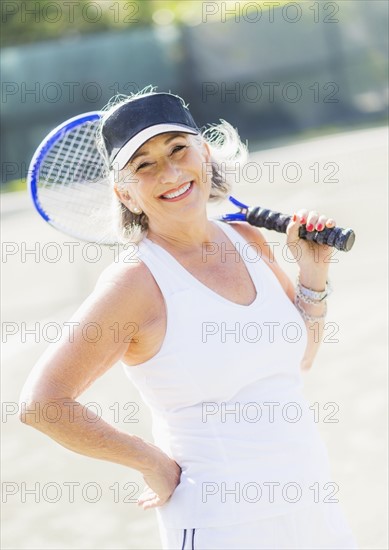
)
(320, 227)
(309, 227)
(294, 217)
(302, 220)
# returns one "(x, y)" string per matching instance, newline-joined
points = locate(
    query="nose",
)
(169, 171)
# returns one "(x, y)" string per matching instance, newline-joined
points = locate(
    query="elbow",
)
(42, 411)
(32, 409)
(39, 405)
(28, 406)
(29, 411)
(35, 404)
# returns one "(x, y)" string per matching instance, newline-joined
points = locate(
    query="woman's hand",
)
(312, 258)
(161, 480)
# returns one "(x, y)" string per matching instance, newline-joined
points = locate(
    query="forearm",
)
(79, 429)
(315, 328)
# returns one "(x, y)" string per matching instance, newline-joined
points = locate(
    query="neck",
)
(184, 236)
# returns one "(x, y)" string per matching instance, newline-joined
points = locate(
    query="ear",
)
(125, 199)
(122, 194)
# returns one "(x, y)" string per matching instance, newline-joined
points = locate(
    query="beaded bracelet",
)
(310, 296)
(305, 315)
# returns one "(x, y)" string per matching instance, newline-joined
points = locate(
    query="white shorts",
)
(317, 527)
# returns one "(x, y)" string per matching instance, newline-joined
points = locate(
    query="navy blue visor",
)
(137, 121)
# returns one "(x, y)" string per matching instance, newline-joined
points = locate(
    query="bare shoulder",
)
(130, 286)
(122, 274)
(111, 324)
(253, 235)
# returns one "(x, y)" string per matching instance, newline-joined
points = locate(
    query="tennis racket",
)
(68, 181)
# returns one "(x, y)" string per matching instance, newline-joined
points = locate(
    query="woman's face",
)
(168, 177)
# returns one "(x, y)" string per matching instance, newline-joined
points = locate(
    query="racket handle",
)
(339, 238)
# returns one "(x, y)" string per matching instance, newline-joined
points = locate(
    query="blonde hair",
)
(227, 151)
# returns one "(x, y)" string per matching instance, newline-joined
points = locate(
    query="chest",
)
(225, 274)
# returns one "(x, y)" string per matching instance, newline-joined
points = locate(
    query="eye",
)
(143, 165)
(178, 148)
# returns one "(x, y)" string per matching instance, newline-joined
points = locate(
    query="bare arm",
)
(310, 276)
(70, 366)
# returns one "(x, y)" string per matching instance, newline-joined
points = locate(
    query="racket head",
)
(69, 184)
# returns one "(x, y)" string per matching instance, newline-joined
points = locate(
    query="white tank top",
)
(225, 393)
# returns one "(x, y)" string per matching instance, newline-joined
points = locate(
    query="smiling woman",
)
(214, 483)
(222, 142)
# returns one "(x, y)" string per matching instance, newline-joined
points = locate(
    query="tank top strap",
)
(234, 236)
(257, 268)
(261, 273)
(162, 266)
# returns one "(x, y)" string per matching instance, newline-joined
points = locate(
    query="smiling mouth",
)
(184, 188)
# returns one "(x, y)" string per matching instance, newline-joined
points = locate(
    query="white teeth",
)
(177, 193)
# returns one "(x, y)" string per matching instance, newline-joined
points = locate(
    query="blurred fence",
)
(299, 67)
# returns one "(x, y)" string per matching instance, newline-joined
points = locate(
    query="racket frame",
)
(51, 138)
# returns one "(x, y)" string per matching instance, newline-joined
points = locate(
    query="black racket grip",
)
(339, 238)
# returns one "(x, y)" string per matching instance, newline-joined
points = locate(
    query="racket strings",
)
(74, 188)
(73, 158)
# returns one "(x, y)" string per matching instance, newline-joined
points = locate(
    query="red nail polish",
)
(294, 217)
(320, 227)
(309, 227)
(302, 220)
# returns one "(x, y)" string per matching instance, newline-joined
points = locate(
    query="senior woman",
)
(237, 461)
